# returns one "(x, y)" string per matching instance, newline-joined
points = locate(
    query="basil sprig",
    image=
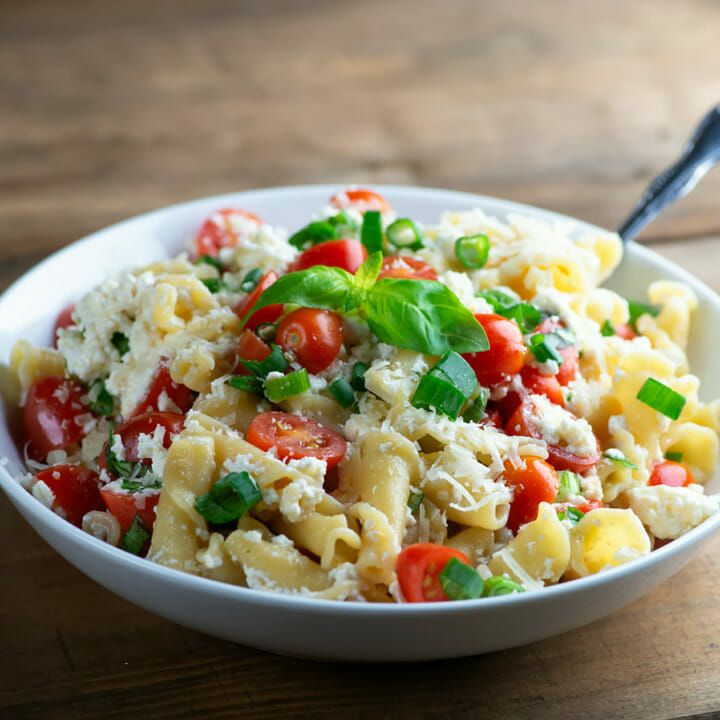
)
(420, 315)
(136, 537)
(123, 469)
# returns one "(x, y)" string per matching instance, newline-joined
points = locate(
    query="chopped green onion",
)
(214, 285)
(357, 376)
(544, 348)
(210, 260)
(636, 310)
(460, 581)
(267, 331)
(661, 398)
(246, 382)
(475, 411)
(569, 486)
(121, 343)
(251, 280)
(342, 391)
(472, 251)
(136, 537)
(275, 362)
(285, 386)
(103, 403)
(572, 514)
(371, 234)
(229, 498)
(607, 330)
(415, 500)
(458, 371)
(344, 225)
(498, 585)
(674, 456)
(619, 459)
(446, 386)
(498, 299)
(313, 234)
(404, 233)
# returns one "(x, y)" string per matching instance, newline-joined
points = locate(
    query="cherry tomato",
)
(296, 437)
(267, 314)
(250, 347)
(53, 415)
(160, 383)
(314, 336)
(360, 200)
(584, 507)
(64, 320)
(220, 230)
(533, 481)
(346, 254)
(539, 384)
(625, 331)
(520, 423)
(492, 419)
(75, 489)
(399, 266)
(418, 566)
(567, 371)
(506, 354)
(125, 505)
(672, 474)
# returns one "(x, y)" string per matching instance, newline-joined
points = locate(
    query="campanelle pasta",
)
(373, 410)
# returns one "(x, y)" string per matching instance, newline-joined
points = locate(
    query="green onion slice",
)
(121, 343)
(103, 403)
(636, 310)
(210, 260)
(674, 456)
(285, 386)
(475, 411)
(569, 486)
(460, 581)
(344, 224)
(404, 233)
(313, 234)
(251, 280)
(458, 371)
(572, 514)
(357, 376)
(136, 537)
(447, 386)
(607, 330)
(229, 498)
(245, 382)
(661, 398)
(415, 500)
(498, 585)
(472, 251)
(342, 391)
(214, 285)
(613, 456)
(371, 234)
(275, 362)
(544, 348)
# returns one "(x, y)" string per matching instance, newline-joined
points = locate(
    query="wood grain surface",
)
(109, 109)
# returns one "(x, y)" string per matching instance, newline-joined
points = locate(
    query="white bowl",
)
(317, 628)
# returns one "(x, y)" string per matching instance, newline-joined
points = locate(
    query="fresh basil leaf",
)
(136, 537)
(136, 486)
(422, 315)
(526, 315)
(121, 343)
(103, 403)
(636, 310)
(371, 234)
(229, 498)
(368, 272)
(607, 330)
(313, 234)
(274, 362)
(210, 260)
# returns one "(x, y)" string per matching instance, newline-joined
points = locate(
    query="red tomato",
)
(296, 437)
(360, 200)
(492, 419)
(399, 266)
(672, 474)
(126, 505)
(218, 231)
(506, 354)
(539, 384)
(346, 254)
(567, 371)
(160, 383)
(64, 320)
(625, 331)
(533, 482)
(584, 507)
(250, 347)
(418, 566)
(53, 415)
(75, 489)
(520, 423)
(314, 336)
(267, 314)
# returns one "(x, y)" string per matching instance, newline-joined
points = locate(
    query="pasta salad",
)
(371, 409)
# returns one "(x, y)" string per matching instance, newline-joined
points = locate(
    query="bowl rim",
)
(24, 501)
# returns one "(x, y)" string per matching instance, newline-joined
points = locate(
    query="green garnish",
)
(415, 500)
(636, 310)
(103, 404)
(572, 514)
(674, 456)
(357, 376)
(210, 260)
(446, 387)
(569, 486)
(472, 251)
(460, 581)
(214, 285)
(280, 388)
(371, 234)
(229, 498)
(136, 537)
(344, 225)
(661, 398)
(498, 585)
(134, 486)
(121, 343)
(607, 330)
(275, 362)
(248, 383)
(123, 469)
(526, 315)
(544, 348)
(619, 459)
(313, 234)
(475, 411)
(251, 280)
(404, 233)
(342, 391)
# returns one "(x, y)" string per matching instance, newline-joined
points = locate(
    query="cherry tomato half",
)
(75, 489)
(539, 384)
(361, 200)
(672, 474)
(506, 354)
(346, 254)
(180, 395)
(267, 314)
(314, 336)
(399, 266)
(64, 320)
(53, 415)
(520, 423)
(296, 437)
(250, 347)
(418, 566)
(625, 331)
(125, 505)
(533, 481)
(224, 228)
(567, 371)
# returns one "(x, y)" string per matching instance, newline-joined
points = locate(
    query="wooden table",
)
(109, 109)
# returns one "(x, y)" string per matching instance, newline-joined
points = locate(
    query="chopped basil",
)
(569, 486)
(572, 514)
(121, 343)
(122, 468)
(636, 310)
(371, 234)
(415, 500)
(214, 285)
(498, 585)
(246, 382)
(661, 398)
(282, 387)
(210, 260)
(607, 330)
(229, 498)
(135, 486)
(251, 280)
(102, 402)
(342, 391)
(357, 376)
(136, 537)
(460, 581)
(275, 362)
(619, 459)
(674, 456)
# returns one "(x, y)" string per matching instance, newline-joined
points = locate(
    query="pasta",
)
(373, 410)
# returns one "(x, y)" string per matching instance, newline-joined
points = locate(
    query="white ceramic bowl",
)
(317, 628)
